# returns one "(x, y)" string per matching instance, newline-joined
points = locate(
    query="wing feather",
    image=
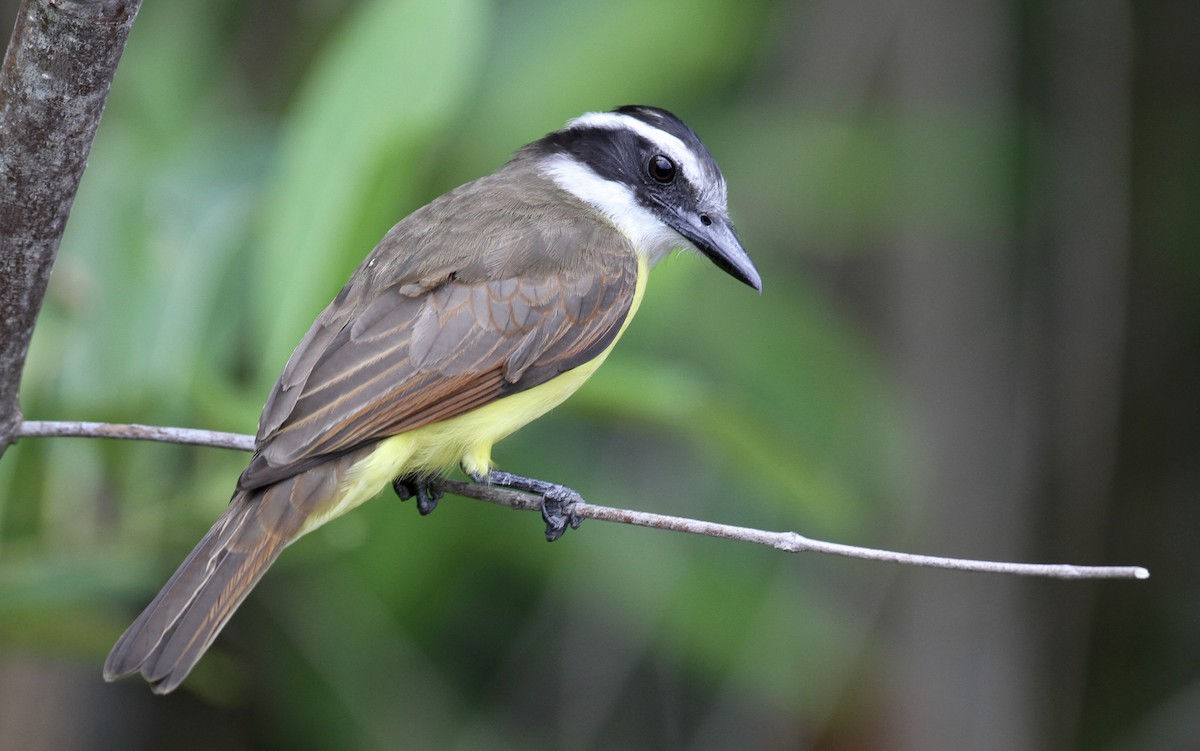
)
(394, 355)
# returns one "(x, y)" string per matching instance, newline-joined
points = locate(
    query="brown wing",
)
(417, 353)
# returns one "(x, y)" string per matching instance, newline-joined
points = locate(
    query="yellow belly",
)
(464, 440)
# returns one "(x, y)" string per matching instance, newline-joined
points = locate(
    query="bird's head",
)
(652, 176)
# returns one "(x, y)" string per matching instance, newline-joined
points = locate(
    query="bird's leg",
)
(558, 501)
(407, 486)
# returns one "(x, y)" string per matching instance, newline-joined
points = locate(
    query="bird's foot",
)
(560, 507)
(418, 486)
(559, 503)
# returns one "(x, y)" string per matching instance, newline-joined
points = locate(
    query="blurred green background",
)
(980, 336)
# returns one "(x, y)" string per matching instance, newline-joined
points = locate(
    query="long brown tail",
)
(177, 627)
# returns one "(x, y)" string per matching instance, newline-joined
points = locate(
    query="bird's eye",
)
(661, 168)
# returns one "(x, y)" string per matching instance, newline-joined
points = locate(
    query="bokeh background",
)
(980, 336)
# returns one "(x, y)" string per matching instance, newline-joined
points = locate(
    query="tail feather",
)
(179, 624)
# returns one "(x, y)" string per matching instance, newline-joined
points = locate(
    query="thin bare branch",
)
(789, 542)
(134, 432)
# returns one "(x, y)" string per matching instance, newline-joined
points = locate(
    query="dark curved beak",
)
(720, 243)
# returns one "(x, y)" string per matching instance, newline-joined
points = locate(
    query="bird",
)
(473, 316)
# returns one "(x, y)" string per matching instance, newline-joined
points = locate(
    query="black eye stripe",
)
(627, 158)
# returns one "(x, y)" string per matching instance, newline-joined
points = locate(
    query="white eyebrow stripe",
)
(674, 147)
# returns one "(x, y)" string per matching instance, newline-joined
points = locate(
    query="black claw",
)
(559, 503)
(404, 487)
(559, 506)
(427, 499)
(419, 486)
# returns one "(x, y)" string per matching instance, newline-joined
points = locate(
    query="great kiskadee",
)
(473, 316)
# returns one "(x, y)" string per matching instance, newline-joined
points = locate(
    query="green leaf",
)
(381, 93)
